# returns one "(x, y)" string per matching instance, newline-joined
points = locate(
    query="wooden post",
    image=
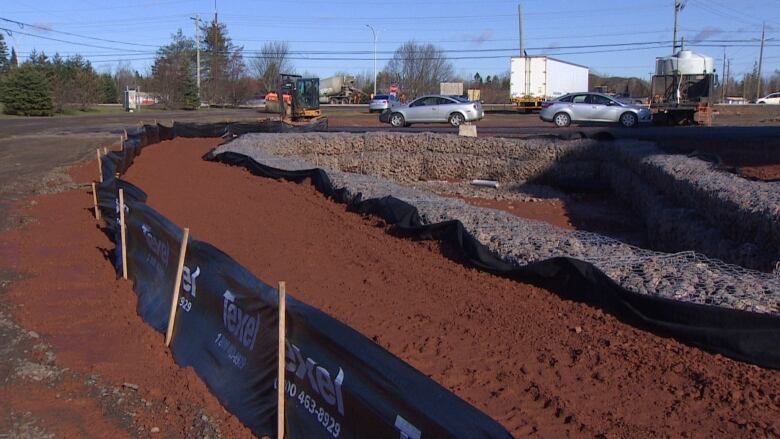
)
(100, 166)
(123, 231)
(125, 133)
(94, 199)
(282, 366)
(121, 143)
(177, 285)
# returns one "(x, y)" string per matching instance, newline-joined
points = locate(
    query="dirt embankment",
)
(77, 360)
(535, 362)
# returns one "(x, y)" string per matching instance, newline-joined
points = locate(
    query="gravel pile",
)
(686, 276)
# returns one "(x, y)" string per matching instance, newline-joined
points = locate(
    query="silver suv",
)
(454, 110)
(592, 107)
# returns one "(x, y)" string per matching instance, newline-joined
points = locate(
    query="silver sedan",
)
(454, 110)
(382, 102)
(592, 107)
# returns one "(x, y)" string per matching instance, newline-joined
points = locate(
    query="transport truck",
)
(535, 79)
(682, 90)
(339, 89)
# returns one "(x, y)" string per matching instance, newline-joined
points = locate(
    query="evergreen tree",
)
(108, 90)
(14, 60)
(223, 65)
(189, 88)
(477, 78)
(26, 91)
(173, 71)
(4, 61)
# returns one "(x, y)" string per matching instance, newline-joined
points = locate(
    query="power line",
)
(12, 31)
(72, 34)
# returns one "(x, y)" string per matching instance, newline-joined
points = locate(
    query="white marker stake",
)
(100, 166)
(177, 285)
(282, 367)
(94, 200)
(123, 231)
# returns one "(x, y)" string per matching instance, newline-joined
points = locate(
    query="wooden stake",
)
(100, 166)
(176, 286)
(282, 366)
(94, 199)
(123, 231)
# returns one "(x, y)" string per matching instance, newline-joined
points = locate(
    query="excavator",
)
(300, 98)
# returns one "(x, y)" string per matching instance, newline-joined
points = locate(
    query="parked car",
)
(382, 102)
(592, 107)
(434, 109)
(773, 98)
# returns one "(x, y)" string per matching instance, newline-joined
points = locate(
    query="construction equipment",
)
(682, 88)
(300, 98)
(340, 90)
(535, 79)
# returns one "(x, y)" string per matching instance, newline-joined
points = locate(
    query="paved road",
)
(32, 147)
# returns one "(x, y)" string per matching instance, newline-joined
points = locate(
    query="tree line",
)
(43, 85)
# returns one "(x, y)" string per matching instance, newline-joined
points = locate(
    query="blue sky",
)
(482, 33)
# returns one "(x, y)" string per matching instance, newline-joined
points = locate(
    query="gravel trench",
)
(685, 202)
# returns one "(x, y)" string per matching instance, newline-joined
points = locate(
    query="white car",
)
(773, 98)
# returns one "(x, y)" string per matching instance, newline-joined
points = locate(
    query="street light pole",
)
(374, 33)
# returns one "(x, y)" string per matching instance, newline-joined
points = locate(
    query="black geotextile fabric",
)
(338, 383)
(745, 336)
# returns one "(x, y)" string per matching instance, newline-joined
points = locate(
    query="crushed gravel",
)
(400, 164)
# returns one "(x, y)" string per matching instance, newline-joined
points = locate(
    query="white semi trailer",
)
(535, 79)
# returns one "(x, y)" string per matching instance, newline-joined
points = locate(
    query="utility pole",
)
(760, 61)
(520, 28)
(723, 77)
(678, 6)
(197, 48)
(728, 72)
(374, 33)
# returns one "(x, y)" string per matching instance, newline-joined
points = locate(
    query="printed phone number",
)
(317, 411)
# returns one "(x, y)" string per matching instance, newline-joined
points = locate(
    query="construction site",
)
(325, 221)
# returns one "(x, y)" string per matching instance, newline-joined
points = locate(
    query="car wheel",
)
(562, 120)
(628, 120)
(762, 102)
(397, 120)
(456, 119)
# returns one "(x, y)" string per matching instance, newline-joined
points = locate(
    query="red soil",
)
(532, 361)
(71, 297)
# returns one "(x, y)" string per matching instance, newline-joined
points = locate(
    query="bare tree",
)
(273, 60)
(124, 77)
(419, 68)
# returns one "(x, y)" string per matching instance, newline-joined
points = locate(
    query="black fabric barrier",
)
(745, 336)
(339, 383)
